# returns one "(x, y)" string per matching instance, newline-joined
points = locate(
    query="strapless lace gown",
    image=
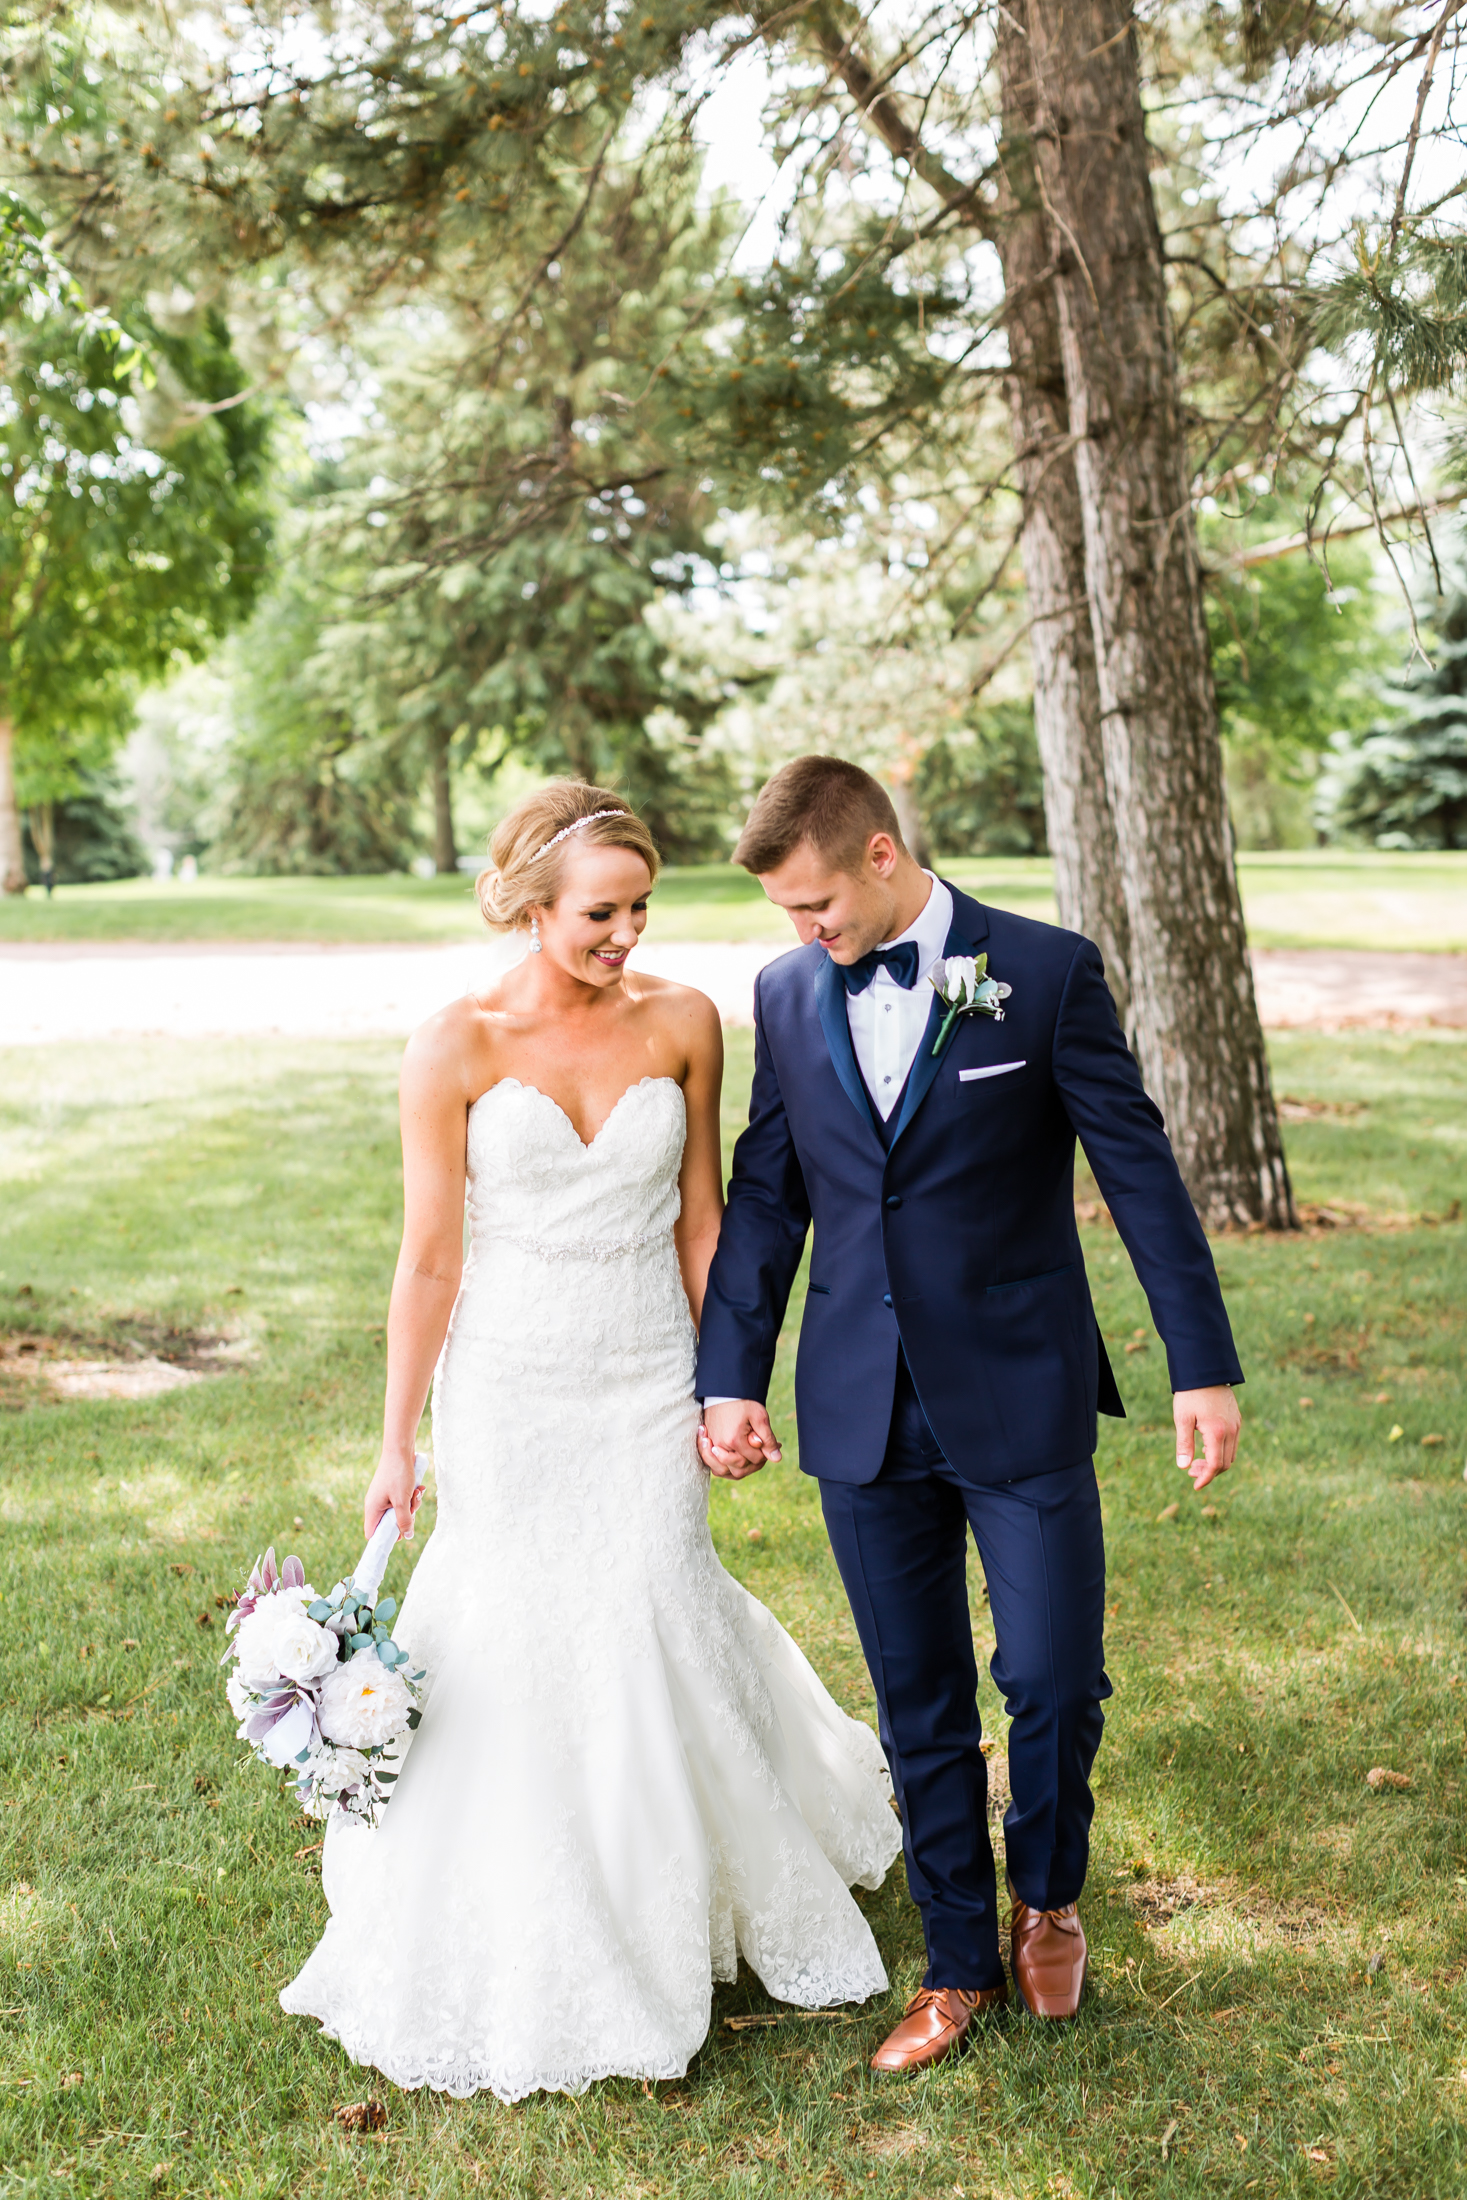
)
(626, 1774)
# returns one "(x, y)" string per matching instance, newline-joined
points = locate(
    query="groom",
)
(950, 1368)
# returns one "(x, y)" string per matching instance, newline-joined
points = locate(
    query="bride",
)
(626, 1774)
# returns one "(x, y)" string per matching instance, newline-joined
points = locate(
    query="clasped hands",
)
(736, 1438)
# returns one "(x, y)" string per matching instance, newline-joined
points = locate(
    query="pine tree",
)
(1404, 783)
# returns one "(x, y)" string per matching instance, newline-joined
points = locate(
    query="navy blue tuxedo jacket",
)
(958, 1240)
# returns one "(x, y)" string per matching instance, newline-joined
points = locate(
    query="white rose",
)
(255, 1646)
(303, 1651)
(960, 977)
(277, 1639)
(364, 1703)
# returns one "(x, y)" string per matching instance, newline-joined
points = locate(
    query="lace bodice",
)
(534, 1182)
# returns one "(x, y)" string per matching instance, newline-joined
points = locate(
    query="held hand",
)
(391, 1490)
(736, 1439)
(1213, 1415)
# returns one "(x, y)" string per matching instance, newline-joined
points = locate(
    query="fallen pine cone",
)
(1380, 1776)
(360, 2116)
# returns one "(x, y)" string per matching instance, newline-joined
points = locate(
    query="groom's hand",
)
(736, 1438)
(1212, 1415)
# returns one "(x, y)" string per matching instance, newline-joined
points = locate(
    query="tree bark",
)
(903, 792)
(445, 847)
(1194, 1016)
(1077, 812)
(12, 852)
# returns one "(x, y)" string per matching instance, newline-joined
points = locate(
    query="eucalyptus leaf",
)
(318, 1611)
(387, 1608)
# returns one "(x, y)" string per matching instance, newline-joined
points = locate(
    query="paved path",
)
(121, 991)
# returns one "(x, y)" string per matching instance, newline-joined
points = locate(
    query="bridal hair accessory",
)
(962, 984)
(566, 830)
(534, 935)
(319, 1687)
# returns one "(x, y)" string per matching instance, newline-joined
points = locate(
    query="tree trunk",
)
(12, 853)
(1194, 1015)
(1077, 817)
(1077, 812)
(445, 848)
(903, 791)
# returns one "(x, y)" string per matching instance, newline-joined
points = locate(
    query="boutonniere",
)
(962, 984)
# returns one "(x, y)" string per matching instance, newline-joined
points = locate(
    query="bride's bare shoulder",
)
(454, 1047)
(679, 1008)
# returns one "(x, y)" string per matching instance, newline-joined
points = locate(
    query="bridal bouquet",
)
(319, 1686)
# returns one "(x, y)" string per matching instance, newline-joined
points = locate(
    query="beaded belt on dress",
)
(578, 1248)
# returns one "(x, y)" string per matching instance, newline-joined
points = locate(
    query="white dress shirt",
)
(887, 1020)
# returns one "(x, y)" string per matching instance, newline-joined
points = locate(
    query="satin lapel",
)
(830, 999)
(969, 926)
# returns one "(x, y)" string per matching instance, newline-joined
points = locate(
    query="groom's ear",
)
(883, 854)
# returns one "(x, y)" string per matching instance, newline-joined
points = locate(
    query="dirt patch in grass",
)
(131, 1357)
(1155, 1902)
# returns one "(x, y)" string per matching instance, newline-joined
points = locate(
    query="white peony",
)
(279, 1638)
(364, 1703)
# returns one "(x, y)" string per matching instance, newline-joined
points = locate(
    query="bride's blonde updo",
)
(527, 855)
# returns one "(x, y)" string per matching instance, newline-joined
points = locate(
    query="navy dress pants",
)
(901, 1545)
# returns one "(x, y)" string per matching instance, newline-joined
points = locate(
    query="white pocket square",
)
(995, 1069)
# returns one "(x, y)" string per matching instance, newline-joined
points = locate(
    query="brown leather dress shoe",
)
(936, 2024)
(1049, 1958)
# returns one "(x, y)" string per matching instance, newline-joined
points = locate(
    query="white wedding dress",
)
(627, 1774)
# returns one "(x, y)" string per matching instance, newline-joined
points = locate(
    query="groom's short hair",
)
(833, 806)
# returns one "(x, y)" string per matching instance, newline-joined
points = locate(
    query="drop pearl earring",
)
(534, 935)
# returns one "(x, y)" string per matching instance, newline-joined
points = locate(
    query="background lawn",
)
(1329, 899)
(1278, 2000)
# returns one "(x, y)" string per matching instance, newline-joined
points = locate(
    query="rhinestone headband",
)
(566, 830)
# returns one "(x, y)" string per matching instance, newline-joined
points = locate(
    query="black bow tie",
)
(901, 960)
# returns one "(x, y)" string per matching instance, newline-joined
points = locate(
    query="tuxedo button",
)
(886, 1298)
(895, 1200)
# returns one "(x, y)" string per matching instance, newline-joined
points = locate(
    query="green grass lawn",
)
(1279, 1996)
(1327, 899)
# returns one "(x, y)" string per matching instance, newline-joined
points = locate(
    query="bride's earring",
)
(534, 935)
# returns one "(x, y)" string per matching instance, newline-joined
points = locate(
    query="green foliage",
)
(980, 791)
(302, 792)
(1403, 306)
(134, 522)
(822, 378)
(519, 506)
(92, 837)
(1296, 655)
(1403, 784)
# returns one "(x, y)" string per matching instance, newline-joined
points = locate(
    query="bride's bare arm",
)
(701, 1182)
(434, 1110)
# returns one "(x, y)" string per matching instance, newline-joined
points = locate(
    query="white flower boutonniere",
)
(962, 984)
